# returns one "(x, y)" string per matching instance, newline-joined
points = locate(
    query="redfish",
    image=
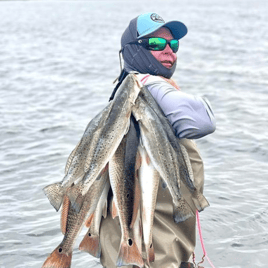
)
(73, 223)
(126, 196)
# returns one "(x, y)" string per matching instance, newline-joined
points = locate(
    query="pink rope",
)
(201, 239)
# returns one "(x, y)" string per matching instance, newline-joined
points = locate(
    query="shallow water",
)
(58, 61)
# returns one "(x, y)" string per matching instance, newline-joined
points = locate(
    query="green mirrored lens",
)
(174, 44)
(157, 43)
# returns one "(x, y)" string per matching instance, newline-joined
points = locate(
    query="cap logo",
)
(156, 18)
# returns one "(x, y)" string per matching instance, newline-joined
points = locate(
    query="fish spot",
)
(60, 250)
(127, 195)
(164, 185)
(89, 234)
(130, 243)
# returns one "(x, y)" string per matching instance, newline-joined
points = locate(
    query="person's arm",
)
(190, 116)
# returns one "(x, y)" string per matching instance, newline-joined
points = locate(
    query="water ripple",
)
(58, 64)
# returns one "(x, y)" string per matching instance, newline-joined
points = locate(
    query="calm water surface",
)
(58, 61)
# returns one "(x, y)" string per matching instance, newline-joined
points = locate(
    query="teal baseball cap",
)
(150, 22)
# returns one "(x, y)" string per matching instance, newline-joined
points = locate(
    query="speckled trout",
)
(186, 172)
(112, 133)
(89, 158)
(74, 169)
(162, 155)
(73, 223)
(126, 197)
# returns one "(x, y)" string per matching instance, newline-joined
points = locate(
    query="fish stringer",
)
(202, 244)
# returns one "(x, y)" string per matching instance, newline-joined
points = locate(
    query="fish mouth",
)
(167, 63)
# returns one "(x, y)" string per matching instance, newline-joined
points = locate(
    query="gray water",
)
(58, 62)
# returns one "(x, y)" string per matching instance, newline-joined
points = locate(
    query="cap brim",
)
(177, 28)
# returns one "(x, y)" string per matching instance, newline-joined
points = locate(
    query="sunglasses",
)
(157, 43)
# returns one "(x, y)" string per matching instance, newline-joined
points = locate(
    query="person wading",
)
(149, 48)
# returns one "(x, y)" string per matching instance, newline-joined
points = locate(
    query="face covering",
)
(137, 58)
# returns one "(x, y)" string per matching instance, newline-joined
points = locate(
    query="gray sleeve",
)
(190, 116)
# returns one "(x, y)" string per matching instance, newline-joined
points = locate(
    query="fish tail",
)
(182, 212)
(129, 254)
(200, 202)
(58, 259)
(55, 194)
(91, 244)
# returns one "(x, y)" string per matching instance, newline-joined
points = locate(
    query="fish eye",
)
(60, 250)
(130, 242)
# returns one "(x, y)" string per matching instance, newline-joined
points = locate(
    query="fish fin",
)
(129, 254)
(114, 209)
(89, 220)
(138, 160)
(106, 168)
(183, 212)
(91, 244)
(55, 194)
(58, 260)
(71, 157)
(104, 210)
(200, 202)
(64, 214)
(104, 172)
(77, 204)
(76, 197)
(151, 254)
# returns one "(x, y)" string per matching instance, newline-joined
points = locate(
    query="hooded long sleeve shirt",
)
(190, 116)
